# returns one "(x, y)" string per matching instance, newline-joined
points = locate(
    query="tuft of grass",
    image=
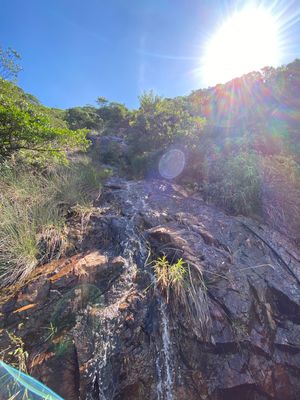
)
(184, 284)
(78, 183)
(18, 352)
(34, 208)
(27, 213)
(170, 276)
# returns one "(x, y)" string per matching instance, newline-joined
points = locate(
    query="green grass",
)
(182, 284)
(34, 208)
(170, 276)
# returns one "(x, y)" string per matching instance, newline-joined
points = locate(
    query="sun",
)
(248, 41)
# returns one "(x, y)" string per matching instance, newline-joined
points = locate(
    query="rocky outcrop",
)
(97, 327)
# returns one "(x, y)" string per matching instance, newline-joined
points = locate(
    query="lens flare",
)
(249, 40)
(171, 164)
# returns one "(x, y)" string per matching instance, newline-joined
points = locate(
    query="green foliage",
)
(112, 153)
(26, 126)
(170, 276)
(114, 115)
(234, 182)
(183, 284)
(102, 101)
(9, 64)
(159, 123)
(18, 352)
(281, 193)
(109, 118)
(84, 117)
(139, 165)
(34, 207)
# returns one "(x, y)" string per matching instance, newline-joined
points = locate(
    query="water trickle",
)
(133, 249)
(164, 364)
(106, 345)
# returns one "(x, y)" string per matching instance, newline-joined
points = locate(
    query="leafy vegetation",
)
(108, 118)
(157, 124)
(83, 117)
(234, 183)
(9, 63)
(24, 125)
(18, 352)
(240, 141)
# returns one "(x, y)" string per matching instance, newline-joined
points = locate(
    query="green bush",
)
(281, 193)
(234, 183)
(33, 128)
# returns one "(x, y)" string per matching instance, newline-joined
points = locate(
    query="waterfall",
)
(164, 364)
(101, 368)
(105, 339)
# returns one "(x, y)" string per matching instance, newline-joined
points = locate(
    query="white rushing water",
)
(133, 246)
(164, 365)
(105, 339)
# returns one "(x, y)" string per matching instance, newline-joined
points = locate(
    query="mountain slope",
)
(99, 328)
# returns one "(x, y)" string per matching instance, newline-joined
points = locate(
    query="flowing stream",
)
(164, 365)
(134, 250)
(132, 247)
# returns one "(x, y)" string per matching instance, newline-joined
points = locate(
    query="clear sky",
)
(76, 50)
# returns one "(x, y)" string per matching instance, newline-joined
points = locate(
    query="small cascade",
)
(133, 243)
(106, 345)
(100, 368)
(164, 364)
(132, 249)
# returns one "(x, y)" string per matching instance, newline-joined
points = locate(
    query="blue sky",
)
(74, 51)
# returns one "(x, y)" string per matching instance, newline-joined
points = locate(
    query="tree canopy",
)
(9, 63)
(28, 126)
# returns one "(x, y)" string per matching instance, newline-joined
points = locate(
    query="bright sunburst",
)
(249, 40)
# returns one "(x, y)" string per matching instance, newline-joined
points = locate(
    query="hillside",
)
(154, 253)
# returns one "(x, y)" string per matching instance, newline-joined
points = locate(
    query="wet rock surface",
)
(96, 327)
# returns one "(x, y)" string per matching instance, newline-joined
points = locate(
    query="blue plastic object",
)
(15, 385)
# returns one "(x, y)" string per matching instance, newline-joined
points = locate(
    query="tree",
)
(102, 101)
(160, 122)
(27, 126)
(114, 115)
(84, 117)
(9, 64)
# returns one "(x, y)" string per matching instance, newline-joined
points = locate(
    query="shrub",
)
(281, 193)
(30, 127)
(144, 164)
(234, 182)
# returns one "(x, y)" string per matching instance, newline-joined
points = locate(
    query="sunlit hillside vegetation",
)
(240, 142)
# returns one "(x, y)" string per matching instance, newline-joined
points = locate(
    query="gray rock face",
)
(116, 337)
